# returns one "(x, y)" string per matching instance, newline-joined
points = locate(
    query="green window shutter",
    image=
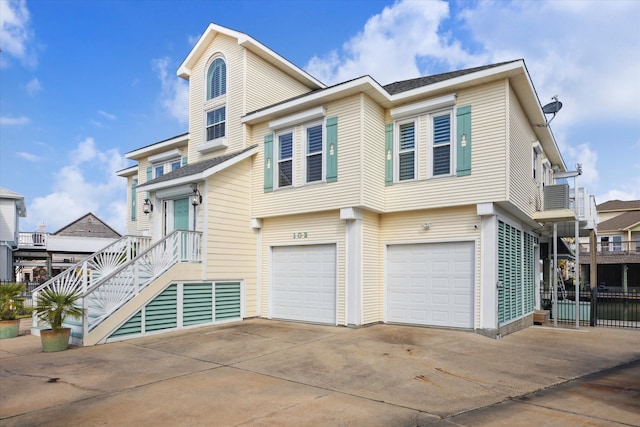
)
(268, 163)
(184, 161)
(149, 173)
(463, 139)
(388, 154)
(332, 149)
(133, 202)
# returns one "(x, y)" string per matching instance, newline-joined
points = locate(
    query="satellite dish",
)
(552, 108)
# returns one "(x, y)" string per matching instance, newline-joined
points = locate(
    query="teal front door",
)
(181, 214)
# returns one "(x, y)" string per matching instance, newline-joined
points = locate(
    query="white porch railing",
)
(121, 285)
(89, 271)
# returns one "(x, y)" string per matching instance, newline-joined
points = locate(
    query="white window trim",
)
(430, 145)
(296, 119)
(323, 153)
(205, 95)
(217, 143)
(276, 169)
(163, 157)
(396, 149)
(418, 108)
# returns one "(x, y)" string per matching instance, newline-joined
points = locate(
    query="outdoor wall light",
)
(196, 197)
(147, 206)
(426, 225)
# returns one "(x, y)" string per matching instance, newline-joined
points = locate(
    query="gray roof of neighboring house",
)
(620, 222)
(195, 168)
(618, 205)
(88, 225)
(405, 85)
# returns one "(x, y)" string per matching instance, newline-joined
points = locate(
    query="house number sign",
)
(300, 235)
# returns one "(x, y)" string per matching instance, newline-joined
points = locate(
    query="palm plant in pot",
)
(10, 306)
(54, 306)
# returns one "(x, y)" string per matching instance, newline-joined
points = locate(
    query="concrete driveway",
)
(261, 372)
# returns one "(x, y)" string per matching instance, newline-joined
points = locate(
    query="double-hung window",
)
(285, 159)
(406, 151)
(442, 144)
(159, 169)
(216, 120)
(314, 160)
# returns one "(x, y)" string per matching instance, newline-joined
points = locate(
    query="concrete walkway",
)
(268, 373)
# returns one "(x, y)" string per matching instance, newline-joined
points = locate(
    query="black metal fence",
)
(616, 309)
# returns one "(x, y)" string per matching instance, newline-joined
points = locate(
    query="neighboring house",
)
(41, 255)
(618, 245)
(12, 208)
(417, 202)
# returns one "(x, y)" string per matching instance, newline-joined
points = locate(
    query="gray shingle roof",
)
(195, 168)
(405, 85)
(618, 205)
(620, 222)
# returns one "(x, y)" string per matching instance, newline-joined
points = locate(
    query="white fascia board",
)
(362, 83)
(304, 116)
(198, 176)
(132, 170)
(166, 145)
(420, 107)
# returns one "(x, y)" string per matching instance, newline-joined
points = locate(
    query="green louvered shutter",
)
(162, 312)
(268, 163)
(197, 303)
(149, 173)
(131, 327)
(463, 139)
(228, 301)
(332, 149)
(510, 273)
(388, 154)
(134, 204)
(184, 161)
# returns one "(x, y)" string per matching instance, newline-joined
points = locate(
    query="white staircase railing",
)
(87, 272)
(118, 287)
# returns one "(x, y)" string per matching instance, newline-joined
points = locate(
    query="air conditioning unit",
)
(556, 197)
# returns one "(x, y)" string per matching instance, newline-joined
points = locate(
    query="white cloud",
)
(33, 86)
(15, 32)
(107, 115)
(88, 183)
(14, 121)
(174, 95)
(28, 156)
(402, 42)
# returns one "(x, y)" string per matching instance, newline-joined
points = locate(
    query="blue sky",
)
(84, 82)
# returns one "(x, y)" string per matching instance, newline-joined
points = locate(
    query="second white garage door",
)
(304, 283)
(430, 284)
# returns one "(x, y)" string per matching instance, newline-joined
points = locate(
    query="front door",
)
(181, 214)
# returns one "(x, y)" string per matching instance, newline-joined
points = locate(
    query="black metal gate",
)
(614, 309)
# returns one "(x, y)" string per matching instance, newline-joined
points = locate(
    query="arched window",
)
(217, 78)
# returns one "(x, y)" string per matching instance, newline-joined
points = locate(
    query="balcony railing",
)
(35, 239)
(613, 248)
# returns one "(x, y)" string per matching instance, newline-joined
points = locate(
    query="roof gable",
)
(88, 225)
(251, 44)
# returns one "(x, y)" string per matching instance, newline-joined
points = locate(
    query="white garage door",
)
(304, 283)
(431, 284)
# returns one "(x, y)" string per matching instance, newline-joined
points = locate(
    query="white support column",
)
(488, 266)
(353, 238)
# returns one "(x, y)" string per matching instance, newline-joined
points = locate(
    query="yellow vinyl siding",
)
(523, 190)
(372, 268)
(315, 196)
(372, 155)
(486, 182)
(230, 243)
(266, 85)
(447, 224)
(321, 228)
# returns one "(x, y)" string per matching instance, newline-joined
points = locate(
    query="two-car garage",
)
(426, 284)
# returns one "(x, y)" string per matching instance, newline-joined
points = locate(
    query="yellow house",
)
(345, 205)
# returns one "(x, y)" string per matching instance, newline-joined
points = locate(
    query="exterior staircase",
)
(121, 278)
